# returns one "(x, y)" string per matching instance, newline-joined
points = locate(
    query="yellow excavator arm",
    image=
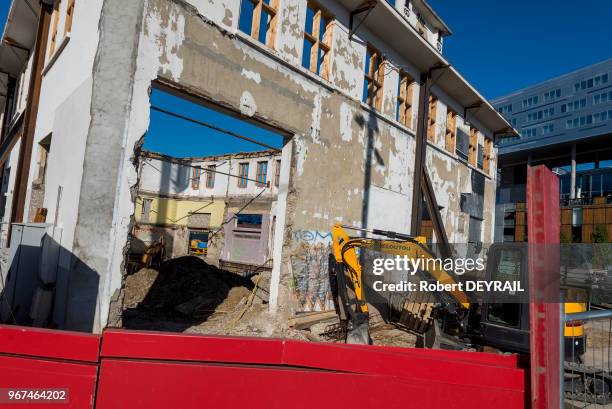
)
(345, 253)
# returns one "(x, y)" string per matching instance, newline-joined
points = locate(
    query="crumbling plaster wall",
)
(451, 177)
(341, 155)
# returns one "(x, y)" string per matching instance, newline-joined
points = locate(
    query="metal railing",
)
(586, 359)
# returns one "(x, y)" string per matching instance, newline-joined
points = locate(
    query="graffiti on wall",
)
(309, 266)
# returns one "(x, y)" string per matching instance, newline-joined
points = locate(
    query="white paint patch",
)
(301, 151)
(251, 75)
(346, 121)
(400, 164)
(315, 125)
(379, 217)
(248, 106)
(166, 41)
(256, 55)
(378, 166)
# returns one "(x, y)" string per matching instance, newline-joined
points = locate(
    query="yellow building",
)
(185, 224)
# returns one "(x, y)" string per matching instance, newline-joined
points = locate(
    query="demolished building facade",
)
(351, 86)
(199, 207)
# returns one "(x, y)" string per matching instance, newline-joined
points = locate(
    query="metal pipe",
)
(561, 352)
(573, 174)
(214, 128)
(588, 315)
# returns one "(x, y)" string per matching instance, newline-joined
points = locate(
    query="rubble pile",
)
(184, 293)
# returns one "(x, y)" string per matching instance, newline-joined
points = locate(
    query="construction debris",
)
(307, 320)
(188, 295)
(185, 291)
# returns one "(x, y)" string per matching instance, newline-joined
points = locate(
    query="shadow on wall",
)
(185, 292)
(45, 285)
(371, 123)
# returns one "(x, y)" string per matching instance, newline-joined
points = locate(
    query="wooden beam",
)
(304, 321)
(421, 145)
(27, 141)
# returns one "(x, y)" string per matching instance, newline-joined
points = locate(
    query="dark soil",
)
(186, 291)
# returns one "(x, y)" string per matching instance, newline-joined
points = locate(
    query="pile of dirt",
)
(185, 291)
(137, 286)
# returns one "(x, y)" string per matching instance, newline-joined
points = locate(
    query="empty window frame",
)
(317, 40)
(249, 221)
(243, 173)
(69, 16)
(258, 18)
(54, 26)
(473, 146)
(145, 211)
(195, 178)
(405, 94)
(486, 157)
(373, 78)
(262, 173)
(210, 176)
(431, 123)
(451, 131)
(277, 173)
(462, 147)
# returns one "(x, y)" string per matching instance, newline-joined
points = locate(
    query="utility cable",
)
(213, 127)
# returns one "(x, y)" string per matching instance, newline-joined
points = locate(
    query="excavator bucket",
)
(358, 331)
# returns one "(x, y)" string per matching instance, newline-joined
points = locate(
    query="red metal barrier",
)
(42, 359)
(543, 233)
(156, 370)
(162, 370)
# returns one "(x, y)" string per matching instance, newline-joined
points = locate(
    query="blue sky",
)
(3, 12)
(177, 137)
(502, 46)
